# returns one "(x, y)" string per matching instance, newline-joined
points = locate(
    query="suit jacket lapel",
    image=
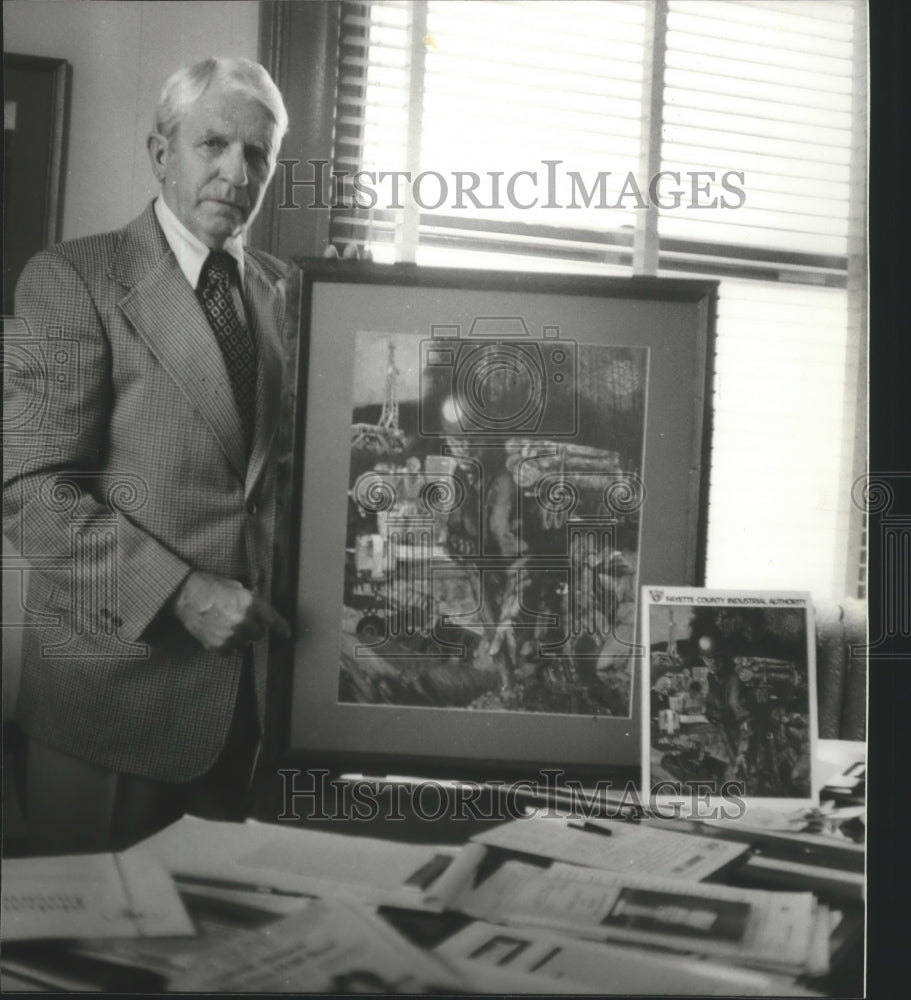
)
(165, 312)
(265, 311)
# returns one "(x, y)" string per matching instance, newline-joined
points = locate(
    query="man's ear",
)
(157, 146)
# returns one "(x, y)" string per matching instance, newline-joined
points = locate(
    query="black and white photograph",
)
(665, 913)
(731, 684)
(467, 459)
(418, 415)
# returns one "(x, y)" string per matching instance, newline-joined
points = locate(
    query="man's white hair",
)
(188, 84)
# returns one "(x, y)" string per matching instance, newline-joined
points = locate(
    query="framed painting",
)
(485, 467)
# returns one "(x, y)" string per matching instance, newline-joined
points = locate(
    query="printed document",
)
(90, 896)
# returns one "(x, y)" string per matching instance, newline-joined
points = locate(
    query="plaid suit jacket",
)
(125, 471)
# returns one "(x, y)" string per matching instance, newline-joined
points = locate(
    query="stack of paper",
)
(780, 931)
(642, 884)
(589, 922)
(331, 946)
(586, 967)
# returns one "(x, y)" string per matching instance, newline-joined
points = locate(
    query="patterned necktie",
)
(236, 344)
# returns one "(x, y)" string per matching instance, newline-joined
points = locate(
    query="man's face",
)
(216, 166)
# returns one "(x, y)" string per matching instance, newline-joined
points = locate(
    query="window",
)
(706, 138)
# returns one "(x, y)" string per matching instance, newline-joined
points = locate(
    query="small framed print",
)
(729, 706)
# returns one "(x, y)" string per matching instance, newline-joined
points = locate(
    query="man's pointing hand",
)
(223, 615)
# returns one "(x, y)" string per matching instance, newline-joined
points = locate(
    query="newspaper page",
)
(294, 860)
(598, 967)
(332, 946)
(750, 927)
(90, 896)
(614, 845)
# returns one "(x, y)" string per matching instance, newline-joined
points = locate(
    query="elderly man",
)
(144, 497)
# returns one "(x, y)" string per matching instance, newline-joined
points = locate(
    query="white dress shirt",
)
(191, 252)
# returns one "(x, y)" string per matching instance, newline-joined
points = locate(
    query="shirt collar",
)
(190, 251)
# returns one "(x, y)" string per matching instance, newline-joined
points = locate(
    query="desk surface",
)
(42, 966)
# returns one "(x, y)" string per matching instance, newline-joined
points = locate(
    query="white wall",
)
(120, 53)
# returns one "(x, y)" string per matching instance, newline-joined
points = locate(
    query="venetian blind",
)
(767, 95)
(543, 88)
(770, 89)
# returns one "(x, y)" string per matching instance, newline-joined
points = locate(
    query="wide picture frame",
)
(484, 466)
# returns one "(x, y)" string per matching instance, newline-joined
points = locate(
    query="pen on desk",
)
(591, 828)
(223, 883)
